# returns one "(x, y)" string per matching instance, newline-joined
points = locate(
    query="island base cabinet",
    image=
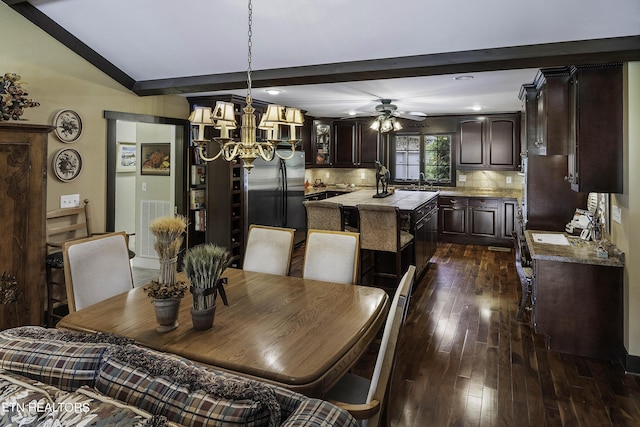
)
(579, 308)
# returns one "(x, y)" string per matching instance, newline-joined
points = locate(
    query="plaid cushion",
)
(166, 385)
(53, 357)
(319, 413)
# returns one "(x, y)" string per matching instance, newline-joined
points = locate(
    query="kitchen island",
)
(419, 213)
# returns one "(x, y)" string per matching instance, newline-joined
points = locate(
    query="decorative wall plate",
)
(68, 126)
(67, 164)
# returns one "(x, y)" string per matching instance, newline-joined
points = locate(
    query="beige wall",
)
(626, 235)
(58, 79)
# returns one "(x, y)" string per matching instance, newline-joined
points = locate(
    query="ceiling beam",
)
(619, 49)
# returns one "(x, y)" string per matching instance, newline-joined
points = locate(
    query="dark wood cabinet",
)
(483, 218)
(23, 172)
(476, 220)
(489, 142)
(355, 144)
(321, 144)
(595, 160)
(552, 121)
(425, 229)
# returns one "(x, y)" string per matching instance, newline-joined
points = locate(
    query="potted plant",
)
(203, 265)
(166, 292)
(166, 301)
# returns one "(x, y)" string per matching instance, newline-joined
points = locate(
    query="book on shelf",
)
(197, 198)
(198, 174)
(200, 220)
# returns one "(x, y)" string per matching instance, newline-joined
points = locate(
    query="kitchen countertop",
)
(578, 251)
(482, 192)
(404, 200)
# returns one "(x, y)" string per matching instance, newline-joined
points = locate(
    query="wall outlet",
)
(616, 213)
(508, 180)
(144, 186)
(326, 175)
(363, 175)
(462, 178)
(70, 201)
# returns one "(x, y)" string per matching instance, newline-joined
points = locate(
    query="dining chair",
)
(268, 250)
(366, 398)
(331, 256)
(323, 215)
(96, 268)
(381, 232)
(62, 225)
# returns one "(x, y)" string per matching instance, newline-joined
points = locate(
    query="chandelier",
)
(248, 148)
(386, 123)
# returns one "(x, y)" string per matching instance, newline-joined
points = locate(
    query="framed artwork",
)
(126, 157)
(67, 126)
(67, 164)
(155, 159)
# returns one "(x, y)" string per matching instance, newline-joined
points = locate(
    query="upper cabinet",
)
(552, 112)
(356, 144)
(489, 142)
(595, 133)
(321, 144)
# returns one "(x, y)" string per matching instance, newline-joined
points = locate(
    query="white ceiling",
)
(165, 39)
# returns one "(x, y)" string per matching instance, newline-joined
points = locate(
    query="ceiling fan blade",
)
(410, 117)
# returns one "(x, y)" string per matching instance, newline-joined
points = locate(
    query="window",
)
(430, 154)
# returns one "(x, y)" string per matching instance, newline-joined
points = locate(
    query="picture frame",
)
(126, 157)
(155, 159)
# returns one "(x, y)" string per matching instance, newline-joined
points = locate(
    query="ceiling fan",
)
(387, 110)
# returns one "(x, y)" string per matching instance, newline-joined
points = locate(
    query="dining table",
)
(297, 333)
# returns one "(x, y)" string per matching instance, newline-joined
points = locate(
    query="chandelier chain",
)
(249, 44)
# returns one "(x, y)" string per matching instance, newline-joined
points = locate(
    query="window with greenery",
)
(437, 158)
(430, 154)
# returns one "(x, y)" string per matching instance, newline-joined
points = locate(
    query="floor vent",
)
(499, 249)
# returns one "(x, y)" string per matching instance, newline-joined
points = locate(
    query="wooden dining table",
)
(297, 333)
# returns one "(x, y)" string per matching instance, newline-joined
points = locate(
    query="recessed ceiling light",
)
(273, 91)
(352, 113)
(465, 77)
(476, 108)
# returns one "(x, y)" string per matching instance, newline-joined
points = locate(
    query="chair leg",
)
(526, 293)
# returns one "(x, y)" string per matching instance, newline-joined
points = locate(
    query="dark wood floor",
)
(464, 359)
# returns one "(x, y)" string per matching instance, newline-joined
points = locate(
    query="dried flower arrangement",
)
(13, 99)
(168, 231)
(203, 265)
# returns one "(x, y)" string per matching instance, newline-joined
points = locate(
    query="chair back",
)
(379, 227)
(67, 224)
(332, 256)
(96, 268)
(268, 250)
(323, 215)
(386, 354)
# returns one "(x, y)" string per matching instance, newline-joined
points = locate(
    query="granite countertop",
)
(501, 193)
(331, 187)
(578, 251)
(404, 200)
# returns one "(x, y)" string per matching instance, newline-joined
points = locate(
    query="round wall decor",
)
(67, 164)
(68, 126)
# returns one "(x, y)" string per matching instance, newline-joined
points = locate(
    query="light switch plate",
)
(616, 213)
(462, 178)
(508, 180)
(70, 201)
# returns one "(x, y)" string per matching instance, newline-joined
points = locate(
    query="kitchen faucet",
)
(421, 178)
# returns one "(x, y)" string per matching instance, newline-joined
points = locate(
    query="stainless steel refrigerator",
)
(275, 192)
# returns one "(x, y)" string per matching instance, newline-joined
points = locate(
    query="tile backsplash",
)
(464, 178)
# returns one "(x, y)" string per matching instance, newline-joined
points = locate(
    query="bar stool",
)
(380, 232)
(323, 215)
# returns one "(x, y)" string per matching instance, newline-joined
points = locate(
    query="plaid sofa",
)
(50, 377)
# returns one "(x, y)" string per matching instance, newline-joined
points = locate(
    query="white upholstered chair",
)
(332, 256)
(268, 250)
(365, 398)
(96, 268)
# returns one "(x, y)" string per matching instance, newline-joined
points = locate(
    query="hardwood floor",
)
(464, 359)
